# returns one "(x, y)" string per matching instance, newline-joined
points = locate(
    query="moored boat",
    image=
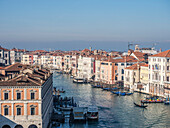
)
(166, 102)
(129, 93)
(92, 113)
(107, 89)
(78, 80)
(79, 113)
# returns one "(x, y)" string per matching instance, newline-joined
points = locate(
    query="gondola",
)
(142, 106)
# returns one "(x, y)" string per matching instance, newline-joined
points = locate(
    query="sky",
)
(77, 24)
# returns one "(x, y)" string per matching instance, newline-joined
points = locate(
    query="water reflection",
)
(114, 111)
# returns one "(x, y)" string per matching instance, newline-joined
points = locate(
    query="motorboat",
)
(78, 80)
(92, 113)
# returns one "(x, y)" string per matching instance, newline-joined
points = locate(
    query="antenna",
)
(154, 44)
(129, 44)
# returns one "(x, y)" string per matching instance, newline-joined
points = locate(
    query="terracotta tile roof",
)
(18, 50)
(15, 67)
(3, 49)
(85, 50)
(134, 67)
(35, 78)
(162, 54)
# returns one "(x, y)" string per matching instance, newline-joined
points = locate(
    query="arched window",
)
(18, 126)
(6, 126)
(32, 126)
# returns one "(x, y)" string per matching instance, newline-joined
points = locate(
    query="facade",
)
(86, 67)
(74, 65)
(32, 59)
(97, 72)
(16, 55)
(144, 77)
(159, 74)
(26, 99)
(150, 51)
(136, 77)
(67, 63)
(57, 62)
(4, 57)
(106, 74)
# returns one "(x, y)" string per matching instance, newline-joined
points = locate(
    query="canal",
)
(114, 111)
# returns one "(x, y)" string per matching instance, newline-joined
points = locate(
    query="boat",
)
(120, 93)
(115, 88)
(107, 89)
(71, 76)
(129, 93)
(92, 113)
(166, 102)
(153, 100)
(66, 108)
(94, 86)
(79, 113)
(78, 80)
(142, 106)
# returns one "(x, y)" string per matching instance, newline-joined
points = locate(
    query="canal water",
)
(114, 111)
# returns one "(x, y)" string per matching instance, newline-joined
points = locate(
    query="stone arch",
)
(32, 126)
(6, 126)
(19, 126)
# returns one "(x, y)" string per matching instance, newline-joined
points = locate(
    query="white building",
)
(97, 70)
(159, 74)
(85, 67)
(4, 57)
(16, 55)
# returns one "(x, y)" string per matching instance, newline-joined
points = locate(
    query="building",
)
(86, 67)
(74, 65)
(150, 51)
(136, 77)
(106, 72)
(26, 99)
(159, 74)
(16, 55)
(58, 61)
(4, 57)
(67, 63)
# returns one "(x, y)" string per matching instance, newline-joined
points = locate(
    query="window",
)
(32, 111)
(5, 96)
(168, 68)
(122, 78)
(115, 77)
(115, 71)
(18, 96)
(6, 55)
(5, 111)
(32, 95)
(167, 60)
(167, 78)
(18, 111)
(122, 71)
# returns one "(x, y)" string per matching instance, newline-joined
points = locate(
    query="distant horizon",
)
(80, 45)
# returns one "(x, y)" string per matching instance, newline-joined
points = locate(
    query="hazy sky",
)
(72, 24)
